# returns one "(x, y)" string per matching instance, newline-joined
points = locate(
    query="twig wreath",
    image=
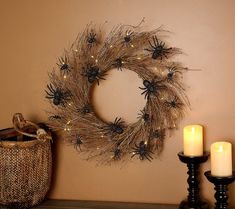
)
(87, 62)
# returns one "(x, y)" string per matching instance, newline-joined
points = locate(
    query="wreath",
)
(87, 62)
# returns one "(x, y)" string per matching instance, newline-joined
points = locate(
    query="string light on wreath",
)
(87, 62)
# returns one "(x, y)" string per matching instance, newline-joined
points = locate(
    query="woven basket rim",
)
(12, 144)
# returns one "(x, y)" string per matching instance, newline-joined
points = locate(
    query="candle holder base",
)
(201, 205)
(193, 162)
(221, 188)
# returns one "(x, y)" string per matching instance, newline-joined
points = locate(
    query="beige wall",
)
(34, 33)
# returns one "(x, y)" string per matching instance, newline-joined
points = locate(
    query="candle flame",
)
(220, 148)
(193, 130)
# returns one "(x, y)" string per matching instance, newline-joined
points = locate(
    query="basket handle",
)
(19, 122)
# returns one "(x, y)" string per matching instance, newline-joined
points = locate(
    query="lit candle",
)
(193, 140)
(221, 159)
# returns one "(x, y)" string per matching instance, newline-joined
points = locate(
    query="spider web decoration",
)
(87, 62)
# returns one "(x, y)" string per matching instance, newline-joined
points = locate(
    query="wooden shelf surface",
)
(83, 204)
(79, 204)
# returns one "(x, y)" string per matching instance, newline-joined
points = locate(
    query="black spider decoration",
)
(58, 96)
(91, 38)
(151, 87)
(127, 37)
(77, 143)
(145, 116)
(158, 134)
(118, 63)
(158, 49)
(64, 65)
(86, 109)
(116, 127)
(55, 117)
(174, 103)
(117, 154)
(93, 74)
(143, 151)
(171, 73)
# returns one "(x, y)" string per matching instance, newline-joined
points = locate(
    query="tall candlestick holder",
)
(221, 188)
(193, 162)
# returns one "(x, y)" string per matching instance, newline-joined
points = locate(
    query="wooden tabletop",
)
(81, 204)
(78, 204)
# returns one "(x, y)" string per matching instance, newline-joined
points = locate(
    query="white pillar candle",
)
(221, 159)
(193, 140)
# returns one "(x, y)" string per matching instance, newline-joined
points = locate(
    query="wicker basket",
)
(25, 165)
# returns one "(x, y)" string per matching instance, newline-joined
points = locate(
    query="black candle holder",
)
(193, 162)
(221, 188)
